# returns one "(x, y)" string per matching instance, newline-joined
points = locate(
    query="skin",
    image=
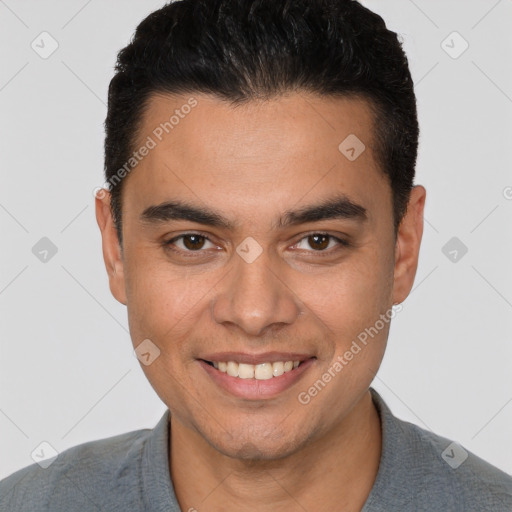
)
(251, 164)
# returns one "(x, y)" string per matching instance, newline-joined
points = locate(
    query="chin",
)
(247, 447)
(255, 452)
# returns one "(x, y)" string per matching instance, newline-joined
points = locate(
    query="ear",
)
(112, 253)
(407, 245)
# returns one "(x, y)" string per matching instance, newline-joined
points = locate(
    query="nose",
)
(255, 298)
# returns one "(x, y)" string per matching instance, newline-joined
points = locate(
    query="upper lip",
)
(244, 357)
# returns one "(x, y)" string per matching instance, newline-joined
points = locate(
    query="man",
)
(261, 218)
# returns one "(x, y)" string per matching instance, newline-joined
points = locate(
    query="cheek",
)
(366, 312)
(161, 297)
(353, 295)
(161, 307)
(156, 298)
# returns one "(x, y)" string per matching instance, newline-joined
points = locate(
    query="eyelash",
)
(168, 245)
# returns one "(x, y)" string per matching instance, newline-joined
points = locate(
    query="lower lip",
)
(254, 389)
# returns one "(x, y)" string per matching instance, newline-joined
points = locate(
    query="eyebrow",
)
(339, 207)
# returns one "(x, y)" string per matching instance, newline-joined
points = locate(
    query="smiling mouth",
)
(263, 371)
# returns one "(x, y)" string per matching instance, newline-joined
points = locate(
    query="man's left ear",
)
(408, 244)
(112, 254)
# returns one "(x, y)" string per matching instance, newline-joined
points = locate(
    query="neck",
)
(335, 472)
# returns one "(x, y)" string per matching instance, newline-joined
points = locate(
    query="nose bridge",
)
(254, 297)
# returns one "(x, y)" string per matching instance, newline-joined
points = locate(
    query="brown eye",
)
(318, 241)
(193, 242)
(321, 243)
(188, 243)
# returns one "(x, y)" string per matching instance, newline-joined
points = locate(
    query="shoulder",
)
(449, 467)
(80, 478)
(422, 470)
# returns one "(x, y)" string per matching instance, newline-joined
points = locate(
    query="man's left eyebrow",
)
(339, 207)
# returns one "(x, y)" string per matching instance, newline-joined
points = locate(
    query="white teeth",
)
(232, 369)
(263, 371)
(246, 371)
(278, 369)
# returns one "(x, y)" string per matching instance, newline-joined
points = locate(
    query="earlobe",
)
(407, 245)
(112, 254)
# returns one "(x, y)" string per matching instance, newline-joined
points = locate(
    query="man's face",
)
(264, 286)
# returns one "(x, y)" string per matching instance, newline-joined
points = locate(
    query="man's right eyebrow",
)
(179, 210)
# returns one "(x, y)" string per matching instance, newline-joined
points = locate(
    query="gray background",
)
(68, 373)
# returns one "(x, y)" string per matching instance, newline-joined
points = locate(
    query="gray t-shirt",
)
(418, 471)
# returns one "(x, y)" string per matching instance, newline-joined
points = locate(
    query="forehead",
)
(193, 119)
(264, 152)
